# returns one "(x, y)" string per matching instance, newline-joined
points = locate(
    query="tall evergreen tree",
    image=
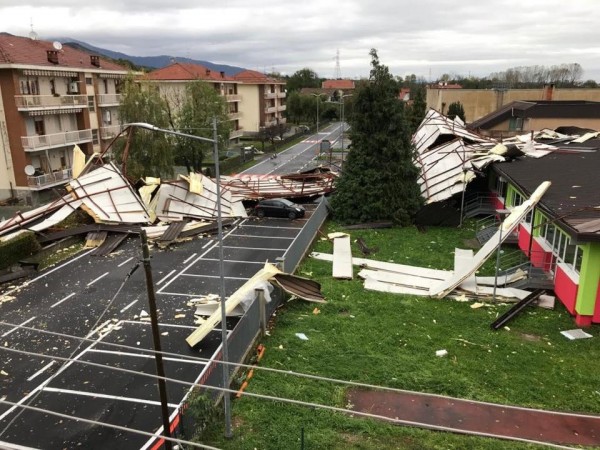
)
(379, 181)
(149, 153)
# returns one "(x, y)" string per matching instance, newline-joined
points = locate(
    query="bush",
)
(17, 248)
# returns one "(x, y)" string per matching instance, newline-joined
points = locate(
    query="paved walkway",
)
(452, 414)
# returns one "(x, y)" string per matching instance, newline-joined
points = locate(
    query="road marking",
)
(190, 258)
(173, 325)
(128, 306)
(206, 245)
(17, 327)
(273, 226)
(147, 356)
(262, 237)
(235, 261)
(60, 301)
(212, 276)
(125, 262)
(42, 370)
(110, 397)
(97, 279)
(256, 248)
(166, 276)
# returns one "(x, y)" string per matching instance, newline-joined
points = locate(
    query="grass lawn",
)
(390, 340)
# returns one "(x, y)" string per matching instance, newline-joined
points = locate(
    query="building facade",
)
(53, 98)
(263, 100)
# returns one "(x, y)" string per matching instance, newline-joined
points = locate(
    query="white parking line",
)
(257, 248)
(190, 258)
(97, 279)
(166, 276)
(274, 227)
(17, 327)
(110, 397)
(125, 262)
(262, 237)
(128, 306)
(206, 245)
(60, 301)
(42, 370)
(235, 261)
(212, 276)
(147, 356)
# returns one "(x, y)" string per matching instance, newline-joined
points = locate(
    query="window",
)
(40, 128)
(29, 86)
(95, 140)
(501, 187)
(107, 117)
(517, 199)
(91, 104)
(515, 124)
(105, 86)
(578, 259)
(88, 81)
(52, 87)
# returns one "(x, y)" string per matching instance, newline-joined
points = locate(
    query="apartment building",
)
(53, 97)
(171, 82)
(263, 100)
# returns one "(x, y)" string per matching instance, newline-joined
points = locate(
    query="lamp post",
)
(341, 103)
(215, 142)
(318, 101)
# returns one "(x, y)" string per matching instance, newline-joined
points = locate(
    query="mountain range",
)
(153, 62)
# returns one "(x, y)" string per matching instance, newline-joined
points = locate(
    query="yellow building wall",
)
(249, 107)
(7, 176)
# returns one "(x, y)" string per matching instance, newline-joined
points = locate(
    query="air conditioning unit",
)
(73, 87)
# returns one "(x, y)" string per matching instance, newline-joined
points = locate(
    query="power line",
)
(285, 400)
(108, 425)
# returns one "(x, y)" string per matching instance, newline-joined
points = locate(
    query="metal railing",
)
(234, 115)
(30, 102)
(48, 179)
(233, 98)
(110, 131)
(236, 133)
(109, 99)
(45, 141)
(270, 95)
(270, 109)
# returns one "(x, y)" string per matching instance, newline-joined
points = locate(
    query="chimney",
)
(548, 92)
(208, 72)
(52, 56)
(222, 74)
(95, 60)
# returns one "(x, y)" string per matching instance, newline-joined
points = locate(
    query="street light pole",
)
(225, 353)
(318, 101)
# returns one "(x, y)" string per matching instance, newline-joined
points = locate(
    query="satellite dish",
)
(57, 45)
(29, 170)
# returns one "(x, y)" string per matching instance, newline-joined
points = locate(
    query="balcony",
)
(270, 109)
(234, 115)
(47, 141)
(109, 99)
(40, 102)
(270, 95)
(281, 94)
(281, 108)
(49, 179)
(233, 98)
(110, 132)
(236, 133)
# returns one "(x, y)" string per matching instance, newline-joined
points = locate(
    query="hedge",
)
(17, 248)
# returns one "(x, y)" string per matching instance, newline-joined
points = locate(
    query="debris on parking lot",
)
(575, 334)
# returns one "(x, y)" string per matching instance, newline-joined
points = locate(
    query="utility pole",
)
(160, 370)
(318, 101)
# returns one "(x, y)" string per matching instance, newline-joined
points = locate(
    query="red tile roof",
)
(338, 84)
(254, 77)
(23, 50)
(187, 72)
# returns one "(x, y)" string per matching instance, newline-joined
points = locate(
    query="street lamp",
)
(215, 142)
(341, 103)
(318, 101)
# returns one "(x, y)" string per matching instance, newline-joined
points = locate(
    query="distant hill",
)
(150, 62)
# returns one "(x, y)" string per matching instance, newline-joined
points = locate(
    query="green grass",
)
(390, 340)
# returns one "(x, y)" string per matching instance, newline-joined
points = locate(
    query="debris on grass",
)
(577, 333)
(441, 353)
(302, 336)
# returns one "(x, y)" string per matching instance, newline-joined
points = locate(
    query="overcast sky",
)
(426, 37)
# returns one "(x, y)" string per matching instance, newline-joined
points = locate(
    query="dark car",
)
(278, 207)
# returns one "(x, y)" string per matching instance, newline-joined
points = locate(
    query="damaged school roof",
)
(449, 156)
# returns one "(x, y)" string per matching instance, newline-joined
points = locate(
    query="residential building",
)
(520, 117)
(171, 82)
(263, 100)
(478, 103)
(53, 97)
(562, 236)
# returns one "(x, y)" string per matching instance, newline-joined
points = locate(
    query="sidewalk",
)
(470, 417)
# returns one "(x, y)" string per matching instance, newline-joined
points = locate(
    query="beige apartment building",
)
(52, 98)
(478, 103)
(263, 100)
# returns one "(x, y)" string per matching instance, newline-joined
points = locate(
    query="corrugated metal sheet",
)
(303, 288)
(109, 244)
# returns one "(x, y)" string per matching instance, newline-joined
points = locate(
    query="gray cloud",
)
(412, 37)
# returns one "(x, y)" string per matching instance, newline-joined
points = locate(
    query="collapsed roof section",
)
(449, 156)
(255, 187)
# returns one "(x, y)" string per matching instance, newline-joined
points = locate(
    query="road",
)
(80, 298)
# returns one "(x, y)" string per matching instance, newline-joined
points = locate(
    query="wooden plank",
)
(342, 258)
(462, 259)
(374, 285)
(400, 279)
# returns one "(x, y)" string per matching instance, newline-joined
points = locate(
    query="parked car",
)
(303, 128)
(278, 207)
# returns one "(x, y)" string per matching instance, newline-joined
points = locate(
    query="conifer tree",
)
(379, 180)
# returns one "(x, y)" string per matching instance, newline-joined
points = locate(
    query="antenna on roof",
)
(32, 34)
(337, 75)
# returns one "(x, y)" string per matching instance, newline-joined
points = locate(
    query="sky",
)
(424, 37)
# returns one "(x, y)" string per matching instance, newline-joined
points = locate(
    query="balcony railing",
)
(269, 95)
(281, 108)
(281, 95)
(235, 115)
(110, 131)
(109, 99)
(233, 98)
(49, 179)
(33, 102)
(236, 133)
(270, 109)
(46, 141)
